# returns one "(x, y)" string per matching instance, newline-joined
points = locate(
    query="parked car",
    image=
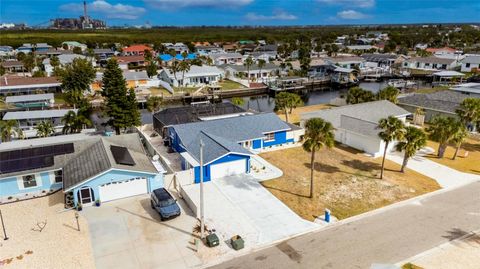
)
(164, 203)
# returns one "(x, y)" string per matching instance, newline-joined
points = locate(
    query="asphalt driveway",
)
(127, 233)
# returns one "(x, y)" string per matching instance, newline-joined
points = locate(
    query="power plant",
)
(83, 22)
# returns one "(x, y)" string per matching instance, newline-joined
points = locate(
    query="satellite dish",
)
(156, 157)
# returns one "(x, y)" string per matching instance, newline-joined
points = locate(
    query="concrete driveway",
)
(127, 233)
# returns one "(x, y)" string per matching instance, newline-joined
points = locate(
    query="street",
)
(389, 236)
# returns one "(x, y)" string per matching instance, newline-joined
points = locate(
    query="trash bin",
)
(212, 240)
(237, 242)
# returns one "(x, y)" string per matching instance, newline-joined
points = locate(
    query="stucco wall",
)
(11, 186)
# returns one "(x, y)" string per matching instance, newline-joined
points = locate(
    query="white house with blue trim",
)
(229, 142)
(85, 168)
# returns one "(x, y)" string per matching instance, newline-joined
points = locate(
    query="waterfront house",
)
(196, 76)
(471, 63)
(206, 50)
(27, 47)
(15, 85)
(227, 58)
(429, 64)
(31, 101)
(70, 45)
(136, 50)
(350, 62)
(254, 72)
(472, 89)
(178, 47)
(134, 79)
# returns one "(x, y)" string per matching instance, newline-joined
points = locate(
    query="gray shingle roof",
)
(223, 135)
(98, 158)
(370, 112)
(242, 68)
(447, 101)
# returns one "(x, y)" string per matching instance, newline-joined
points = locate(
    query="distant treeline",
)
(406, 37)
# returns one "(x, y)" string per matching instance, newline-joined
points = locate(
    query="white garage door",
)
(227, 169)
(122, 189)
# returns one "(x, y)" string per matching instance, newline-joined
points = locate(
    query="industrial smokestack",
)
(85, 16)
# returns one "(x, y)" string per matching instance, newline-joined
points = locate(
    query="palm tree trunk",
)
(286, 114)
(404, 164)
(457, 149)
(383, 160)
(312, 167)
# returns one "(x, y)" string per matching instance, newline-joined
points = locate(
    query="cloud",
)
(351, 15)
(116, 11)
(177, 4)
(350, 3)
(276, 15)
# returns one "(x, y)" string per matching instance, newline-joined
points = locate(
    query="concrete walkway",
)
(444, 175)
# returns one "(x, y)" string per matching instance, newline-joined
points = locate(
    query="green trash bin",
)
(237, 242)
(212, 240)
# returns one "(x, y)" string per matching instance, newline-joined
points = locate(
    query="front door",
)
(85, 196)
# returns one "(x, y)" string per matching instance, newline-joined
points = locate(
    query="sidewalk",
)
(445, 176)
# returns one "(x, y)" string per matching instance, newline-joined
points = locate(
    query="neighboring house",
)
(471, 63)
(136, 50)
(13, 66)
(28, 120)
(103, 54)
(207, 50)
(229, 142)
(178, 47)
(379, 60)
(64, 59)
(230, 48)
(361, 48)
(31, 100)
(6, 51)
(357, 125)
(134, 79)
(443, 103)
(472, 89)
(441, 51)
(227, 58)
(87, 169)
(52, 52)
(429, 63)
(254, 72)
(131, 62)
(196, 76)
(421, 46)
(320, 68)
(267, 56)
(168, 117)
(350, 62)
(70, 45)
(27, 47)
(27, 85)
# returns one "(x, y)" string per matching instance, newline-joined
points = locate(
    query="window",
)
(29, 181)
(270, 137)
(58, 176)
(467, 65)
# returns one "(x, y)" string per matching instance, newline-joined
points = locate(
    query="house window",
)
(58, 176)
(270, 137)
(467, 65)
(29, 181)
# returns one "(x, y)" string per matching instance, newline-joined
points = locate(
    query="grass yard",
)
(59, 98)
(431, 90)
(345, 181)
(159, 91)
(469, 164)
(230, 85)
(295, 116)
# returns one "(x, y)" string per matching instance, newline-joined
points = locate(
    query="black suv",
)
(163, 202)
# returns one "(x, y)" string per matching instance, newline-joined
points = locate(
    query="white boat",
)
(401, 83)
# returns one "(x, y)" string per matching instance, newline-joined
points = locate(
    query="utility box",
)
(212, 240)
(237, 242)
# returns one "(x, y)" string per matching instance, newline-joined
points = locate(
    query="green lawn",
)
(60, 99)
(230, 85)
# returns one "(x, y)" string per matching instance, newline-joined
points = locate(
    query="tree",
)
(2, 70)
(414, 139)
(357, 95)
(183, 67)
(389, 93)
(20, 56)
(174, 65)
(392, 129)
(442, 130)
(120, 104)
(29, 62)
(76, 79)
(9, 129)
(248, 63)
(55, 61)
(458, 137)
(469, 112)
(318, 134)
(286, 102)
(74, 122)
(39, 73)
(261, 64)
(151, 64)
(77, 50)
(154, 103)
(45, 128)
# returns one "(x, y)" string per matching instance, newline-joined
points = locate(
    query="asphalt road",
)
(390, 236)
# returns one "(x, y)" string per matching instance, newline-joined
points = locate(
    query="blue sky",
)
(245, 12)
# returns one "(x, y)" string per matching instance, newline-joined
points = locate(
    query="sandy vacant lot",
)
(58, 245)
(295, 116)
(346, 181)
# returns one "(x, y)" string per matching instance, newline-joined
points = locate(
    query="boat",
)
(401, 83)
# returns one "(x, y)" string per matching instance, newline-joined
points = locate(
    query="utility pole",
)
(202, 213)
(5, 237)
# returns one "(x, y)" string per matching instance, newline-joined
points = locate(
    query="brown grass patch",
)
(345, 181)
(295, 116)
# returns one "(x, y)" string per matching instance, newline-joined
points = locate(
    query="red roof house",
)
(138, 49)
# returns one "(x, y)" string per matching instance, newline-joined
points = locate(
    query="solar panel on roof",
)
(121, 155)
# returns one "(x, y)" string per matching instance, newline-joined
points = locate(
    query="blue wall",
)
(257, 144)
(227, 158)
(280, 138)
(9, 186)
(154, 181)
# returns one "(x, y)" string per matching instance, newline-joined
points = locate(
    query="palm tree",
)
(9, 129)
(469, 111)
(318, 134)
(392, 129)
(261, 63)
(389, 93)
(286, 102)
(174, 66)
(248, 63)
(458, 137)
(442, 130)
(413, 140)
(69, 122)
(45, 128)
(184, 66)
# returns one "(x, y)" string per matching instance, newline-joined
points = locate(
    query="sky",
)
(244, 12)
